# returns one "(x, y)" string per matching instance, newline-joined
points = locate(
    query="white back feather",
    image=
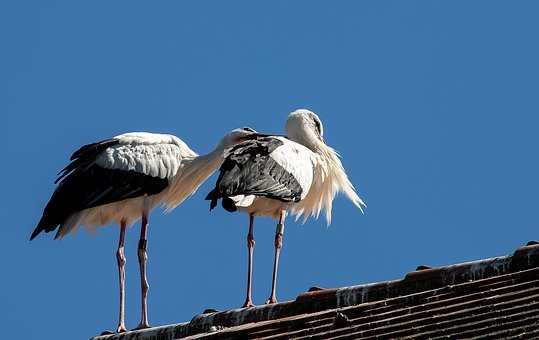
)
(153, 154)
(297, 160)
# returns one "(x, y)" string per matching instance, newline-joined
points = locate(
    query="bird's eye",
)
(248, 129)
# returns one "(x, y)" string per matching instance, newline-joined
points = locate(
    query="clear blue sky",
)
(433, 106)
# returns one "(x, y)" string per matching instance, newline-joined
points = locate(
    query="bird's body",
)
(121, 180)
(260, 177)
(115, 179)
(275, 175)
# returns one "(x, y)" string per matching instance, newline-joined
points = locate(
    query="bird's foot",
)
(121, 329)
(271, 300)
(248, 303)
(142, 325)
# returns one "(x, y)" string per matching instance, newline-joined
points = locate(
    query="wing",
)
(156, 155)
(112, 170)
(269, 167)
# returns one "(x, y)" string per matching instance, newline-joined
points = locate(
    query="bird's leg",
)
(250, 248)
(278, 245)
(120, 257)
(143, 258)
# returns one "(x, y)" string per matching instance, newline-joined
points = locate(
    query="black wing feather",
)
(85, 156)
(250, 170)
(84, 184)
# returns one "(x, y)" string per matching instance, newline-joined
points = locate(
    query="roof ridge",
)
(328, 317)
(319, 300)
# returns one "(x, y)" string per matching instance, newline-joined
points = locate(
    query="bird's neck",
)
(210, 161)
(309, 142)
(194, 172)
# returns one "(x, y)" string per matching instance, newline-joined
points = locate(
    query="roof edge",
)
(317, 300)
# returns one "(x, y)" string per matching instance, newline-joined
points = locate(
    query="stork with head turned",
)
(275, 175)
(121, 180)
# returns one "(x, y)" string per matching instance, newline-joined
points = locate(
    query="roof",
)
(492, 298)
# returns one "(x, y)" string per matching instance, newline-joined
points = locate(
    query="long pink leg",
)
(143, 258)
(250, 248)
(278, 245)
(120, 257)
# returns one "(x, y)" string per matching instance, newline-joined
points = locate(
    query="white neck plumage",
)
(329, 179)
(191, 174)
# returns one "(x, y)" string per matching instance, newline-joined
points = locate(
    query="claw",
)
(121, 329)
(271, 300)
(248, 303)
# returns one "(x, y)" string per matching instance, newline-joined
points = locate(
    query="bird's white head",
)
(304, 127)
(236, 136)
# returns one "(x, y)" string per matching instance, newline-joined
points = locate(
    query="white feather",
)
(152, 154)
(315, 166)
(156, 155)
(329, 179)
(192, 173)
(297, 160)
(242, 200)
(329, 175)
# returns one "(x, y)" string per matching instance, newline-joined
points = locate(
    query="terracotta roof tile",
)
(491, 298)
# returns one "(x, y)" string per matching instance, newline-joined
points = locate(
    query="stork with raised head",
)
(121, 180)
(275, 175)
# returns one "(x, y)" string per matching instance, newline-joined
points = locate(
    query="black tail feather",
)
(43, 225)
(229, 205)
(36, 232)
(212, 197)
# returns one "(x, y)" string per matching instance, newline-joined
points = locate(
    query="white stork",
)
(273, 175)
(120, 180)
